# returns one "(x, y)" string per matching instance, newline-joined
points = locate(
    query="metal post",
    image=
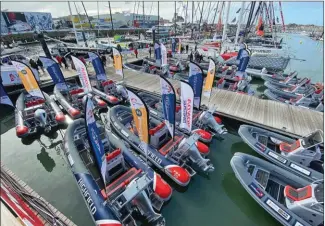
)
(98, 17)
(239, 21)
(215, 14)
(110, 13)
(158, 19)
(224, 33)
(186, 17)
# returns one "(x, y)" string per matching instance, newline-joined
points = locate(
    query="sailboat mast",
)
(175, 19)
(239, 21)
(72, 19)
(224, 33)
(201, 17)
(87, 15)
(283, 26)
(142, 13)
(98, 17)
(215, 13)
(110, 13)
(192, 19)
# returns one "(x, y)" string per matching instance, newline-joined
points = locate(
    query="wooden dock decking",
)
(30, 191)
(268, 114)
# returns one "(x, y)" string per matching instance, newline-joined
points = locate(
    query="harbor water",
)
(217, 199)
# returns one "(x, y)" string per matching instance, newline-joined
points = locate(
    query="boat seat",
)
(170, 144)
(107, 82)
(76, 91)
(285, 147)
(154, 130)
(120, 182)
(298, 194)
(113, 154)
(293, 100)
(32, 103)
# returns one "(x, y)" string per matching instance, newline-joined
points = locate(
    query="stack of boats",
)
(291, 189)
(295, 91)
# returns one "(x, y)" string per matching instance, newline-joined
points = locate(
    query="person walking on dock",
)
(59, 59)
(150, 50)
(103, 58)
(64, 61)
(186, 48)
(40, 64)
(136, 53)
(33, 64)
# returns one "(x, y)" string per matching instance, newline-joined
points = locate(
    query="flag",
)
(83, 74)
(55, 72)
(4, 98)
(179, 46)
(118, 64)
(163, 55)
(98, 66)
(187, 96)
(140, 117)
(195, 79)
(168, 97)
(93, 135)
(28, 79)
(209, 79)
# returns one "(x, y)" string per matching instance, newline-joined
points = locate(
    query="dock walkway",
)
(276, 116)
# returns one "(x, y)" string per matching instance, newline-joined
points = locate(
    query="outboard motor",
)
(40, 116)
(120, 89)
(241, 85)
(195, 156)
(143, 203)
(207, 120)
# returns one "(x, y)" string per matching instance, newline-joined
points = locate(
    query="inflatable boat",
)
(35, 114)
(278, 87)
(167, 154)
(71, 99)
(240, 86)
(285, 79)
(126, 184)
(295, 155)
(204, 122)
(106, 89)
(289, 198)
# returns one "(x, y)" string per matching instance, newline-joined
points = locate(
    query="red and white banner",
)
(187, 96)
(83, 74)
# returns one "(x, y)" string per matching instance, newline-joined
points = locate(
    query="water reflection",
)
(245, 203)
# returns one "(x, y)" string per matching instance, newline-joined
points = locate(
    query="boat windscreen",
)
(313, 139)
(319, 192)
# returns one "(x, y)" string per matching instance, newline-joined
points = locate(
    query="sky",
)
(294, 12)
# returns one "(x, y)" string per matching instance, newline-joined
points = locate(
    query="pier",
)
(283, 118)
(7, 220)
(276, 116)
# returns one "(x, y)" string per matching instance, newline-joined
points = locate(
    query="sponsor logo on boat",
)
(256, 190)
(151, 155)
(24, 72)
(277, 209)
(260, 146)
(87, 196)
(95, 138)
(261, 51)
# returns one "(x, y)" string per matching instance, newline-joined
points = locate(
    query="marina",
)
(162, 123)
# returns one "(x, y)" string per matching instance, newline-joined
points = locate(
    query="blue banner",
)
(4, 98)
(94, 137)
(173, 46)
(55, 72)
(196, 82)
(98, 66)
(169, 104)
(157, 51)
